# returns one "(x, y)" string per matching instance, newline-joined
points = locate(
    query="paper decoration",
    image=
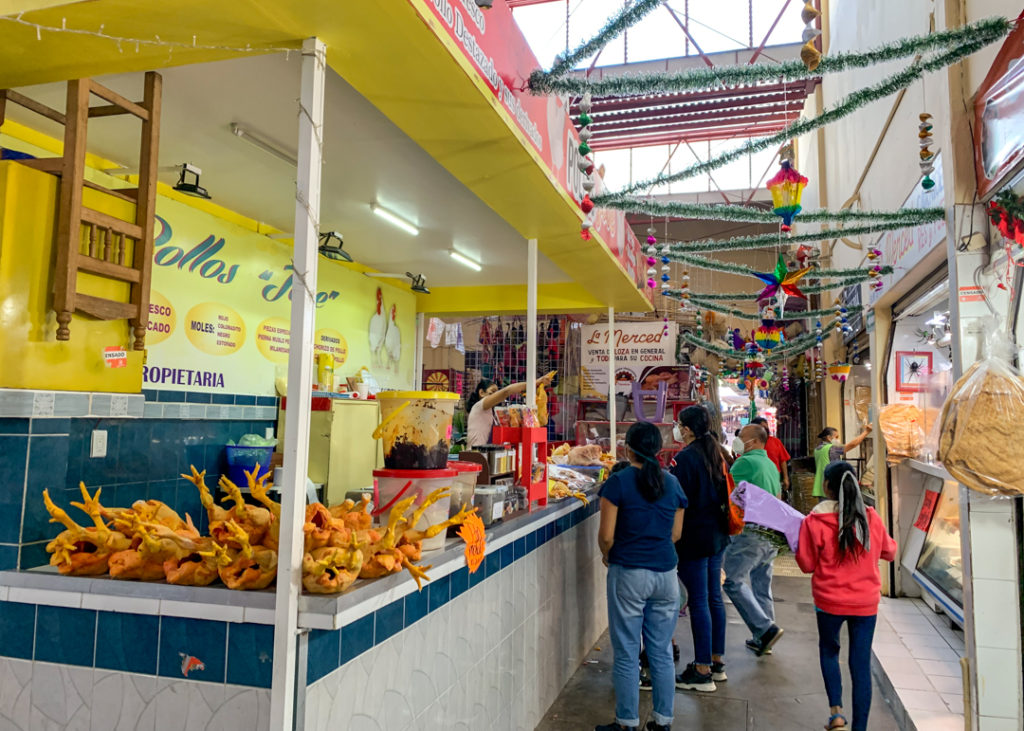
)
(473, 533)
(781, 280)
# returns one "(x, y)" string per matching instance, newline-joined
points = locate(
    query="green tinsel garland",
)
(742, 243)
(850, 276)
(704, 78)
(629, 16)
(741, 296)
(855, 101)
(782, 352)
(701, 304)
(743, 214)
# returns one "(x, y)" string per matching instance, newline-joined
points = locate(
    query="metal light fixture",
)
(485, 4)
(465, 260)
(419, 283)
(260, 142)
(192, 188)
(331, 246)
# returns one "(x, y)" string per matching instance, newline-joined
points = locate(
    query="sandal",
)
(831, 725)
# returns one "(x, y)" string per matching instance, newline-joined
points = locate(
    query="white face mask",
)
(738, 447)
(677, 433)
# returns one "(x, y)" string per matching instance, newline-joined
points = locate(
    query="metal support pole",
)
(611, 382)
(300, 372)
(417, 376)
(531, 324)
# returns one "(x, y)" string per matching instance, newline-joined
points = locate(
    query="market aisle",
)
(782, 691)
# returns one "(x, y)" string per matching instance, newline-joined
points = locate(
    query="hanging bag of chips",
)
(980, 438)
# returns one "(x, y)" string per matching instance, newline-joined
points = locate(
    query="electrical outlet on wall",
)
(98, 448)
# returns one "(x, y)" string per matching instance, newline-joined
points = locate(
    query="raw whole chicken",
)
(83, 551)
(254, 567)
(584, 455)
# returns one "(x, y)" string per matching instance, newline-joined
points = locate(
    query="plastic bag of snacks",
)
(980, 438)
(902, 426)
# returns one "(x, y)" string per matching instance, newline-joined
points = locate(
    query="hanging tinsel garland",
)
(699, 301)
(745, 296)
(554, 81)
(850, 276)
(744, 214)
(630, 15)
(855, 101)
(783, 352)
(743, 243)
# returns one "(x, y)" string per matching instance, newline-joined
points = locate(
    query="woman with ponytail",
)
(641, 517)
(701, 470)
(841, 543)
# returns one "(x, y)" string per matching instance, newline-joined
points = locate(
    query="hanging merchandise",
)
(927, 157)
(586, 166)
(665, 267)
(787, 188)
(980, 438)
(435, 330)
(809, 53)
(1006, 211)
(839, 371)
(785, 378)
(652, 259)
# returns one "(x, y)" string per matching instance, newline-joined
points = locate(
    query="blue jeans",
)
(748, 580)
(642, 602)
(862, 631)
(702, 578)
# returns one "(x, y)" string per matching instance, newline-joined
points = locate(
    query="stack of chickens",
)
(150, 542)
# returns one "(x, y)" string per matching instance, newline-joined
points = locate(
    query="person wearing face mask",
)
(737, 445)
(701, 470)
(641, 518)
(831, 449)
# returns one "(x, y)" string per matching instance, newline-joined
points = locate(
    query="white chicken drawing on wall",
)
(385, 335)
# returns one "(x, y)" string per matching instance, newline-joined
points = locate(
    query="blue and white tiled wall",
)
(485, 650)
(145, 454)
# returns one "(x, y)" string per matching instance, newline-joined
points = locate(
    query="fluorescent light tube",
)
(395, 220)
(465, 260)
(268, 147)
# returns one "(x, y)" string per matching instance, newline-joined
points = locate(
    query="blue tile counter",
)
(147, 633)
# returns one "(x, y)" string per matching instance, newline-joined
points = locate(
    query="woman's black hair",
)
(644, 438)
(698, 421)
(483, 385)
(827, 432)
(836, 481)
(619, 466)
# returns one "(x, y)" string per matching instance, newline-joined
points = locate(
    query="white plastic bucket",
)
(393, 486)
(416, 427)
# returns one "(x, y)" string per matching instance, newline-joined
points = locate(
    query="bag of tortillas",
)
(902, 427)
(981, 427)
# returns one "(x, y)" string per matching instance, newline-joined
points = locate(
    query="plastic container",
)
(241, 459)
(394, 486)
(416, 427)
(491, 503)
(464, 486)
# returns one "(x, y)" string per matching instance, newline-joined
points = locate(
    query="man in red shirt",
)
(776, 453)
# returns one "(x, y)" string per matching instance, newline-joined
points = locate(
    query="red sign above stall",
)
(999, 117)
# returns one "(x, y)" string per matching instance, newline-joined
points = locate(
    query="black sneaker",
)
(652, 726)
(755, 647)
(769, 638)
(718, 672)
(645, 679)
(691, 679)
(613, 726)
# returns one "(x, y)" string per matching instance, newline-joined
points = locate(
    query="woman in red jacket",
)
(841, 543)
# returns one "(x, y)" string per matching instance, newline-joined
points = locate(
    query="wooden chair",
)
(89, 240)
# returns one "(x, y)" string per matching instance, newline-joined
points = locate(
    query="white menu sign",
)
(639, 346)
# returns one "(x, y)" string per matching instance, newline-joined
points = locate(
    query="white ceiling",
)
(366, 159)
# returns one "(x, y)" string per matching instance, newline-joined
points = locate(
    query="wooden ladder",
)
(88, 240)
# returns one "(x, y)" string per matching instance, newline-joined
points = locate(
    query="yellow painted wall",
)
(32, 356)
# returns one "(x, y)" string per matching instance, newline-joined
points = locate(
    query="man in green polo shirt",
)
(749, 558)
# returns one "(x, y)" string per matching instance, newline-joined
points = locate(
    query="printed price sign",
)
(924, 518)
(472, 532)
(115, 357)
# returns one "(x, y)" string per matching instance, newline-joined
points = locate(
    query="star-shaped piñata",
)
(782, 279)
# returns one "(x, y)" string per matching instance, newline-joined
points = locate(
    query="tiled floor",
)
(782, 691)
(918, 653)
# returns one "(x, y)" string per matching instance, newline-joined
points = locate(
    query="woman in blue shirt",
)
(641, 519)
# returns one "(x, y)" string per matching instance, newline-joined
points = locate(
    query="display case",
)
(940, 562)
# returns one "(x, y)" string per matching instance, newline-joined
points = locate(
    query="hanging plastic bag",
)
(902, 427)
(980, 440)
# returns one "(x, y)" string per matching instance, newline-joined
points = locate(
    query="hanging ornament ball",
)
(665, 277)
(685, 295)
(587, 223)
(584, 104)
(651, 261)
(585, 235)
(585, 134)
(586, 166)
(665, 268)
(651, 239)
(651, 230)
(665, 260)
(651, 283)
(664, 285)
(588, 185)
(651, 271)
(584, 148)
(584, 119)
(666, 249)
(586, 205)
(927, 183)
(874, 254)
